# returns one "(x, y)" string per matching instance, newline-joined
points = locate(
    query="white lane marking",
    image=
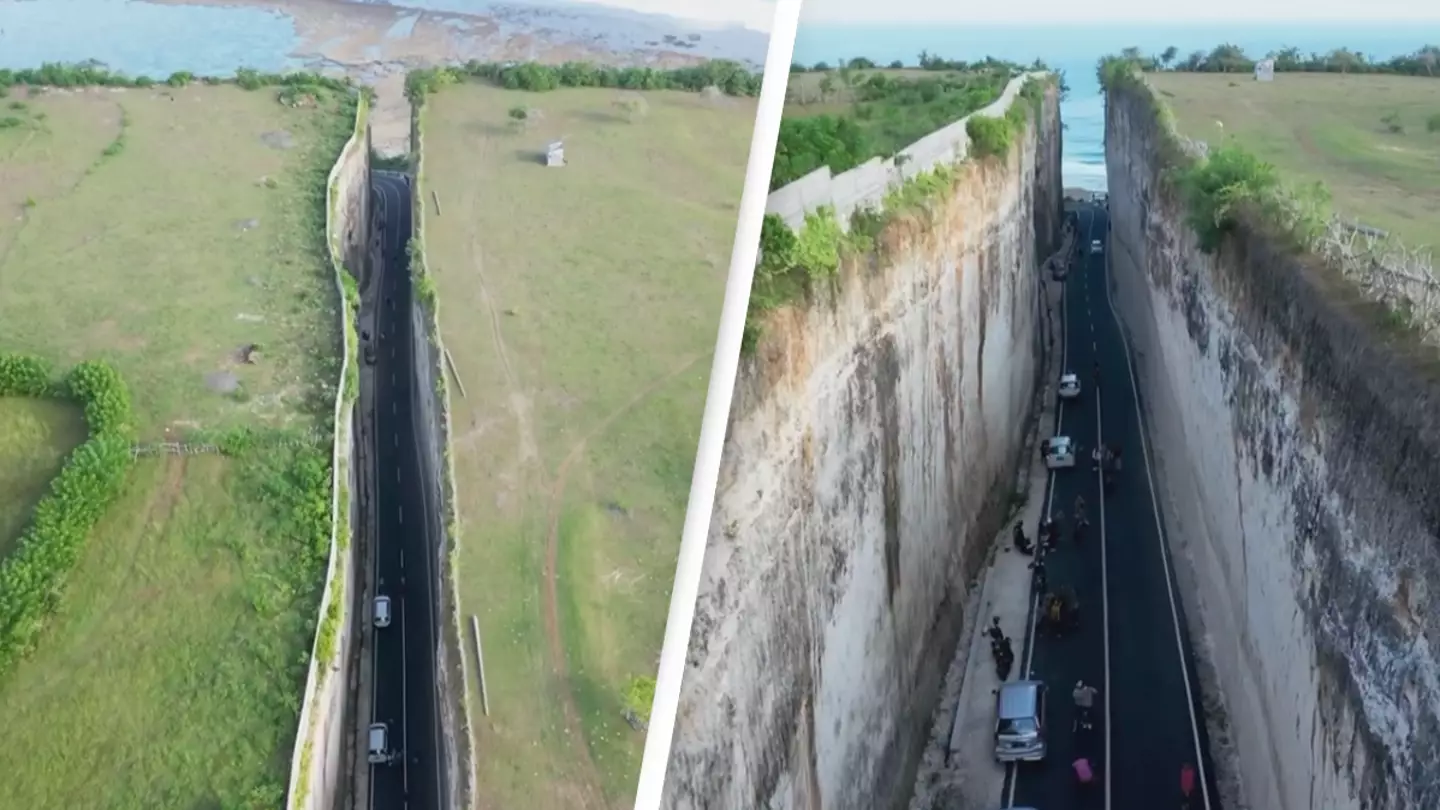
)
(400, 515)
(396, 438)
(1164, 551)
(1104, 593)
(397, 473)
(1013, 773)
(393, 407)
(404, 704)
(402, 558)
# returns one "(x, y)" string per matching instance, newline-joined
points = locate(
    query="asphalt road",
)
(1131, 644)
(405, 652)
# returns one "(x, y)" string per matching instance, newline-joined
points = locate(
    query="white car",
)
(1069, 386)
(1096, 247)
(382, 611)
(379, 745)
(1059, 452)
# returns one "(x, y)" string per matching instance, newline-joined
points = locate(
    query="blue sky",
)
(1160, 11)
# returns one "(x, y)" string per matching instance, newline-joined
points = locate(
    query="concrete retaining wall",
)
(319, 759)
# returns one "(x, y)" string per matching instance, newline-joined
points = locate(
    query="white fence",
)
(866, 185)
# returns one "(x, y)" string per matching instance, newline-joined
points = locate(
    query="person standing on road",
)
(1084, 696)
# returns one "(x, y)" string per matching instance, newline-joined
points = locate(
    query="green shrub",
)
(887, 114)
(1432, 124)
(1215, 187)
(791, 264)
(806, 144)
(640, 696)
(32, 578)
(989, 137)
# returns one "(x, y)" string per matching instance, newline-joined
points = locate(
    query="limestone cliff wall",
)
(320, 758)
(869, 460)
(1297, 452)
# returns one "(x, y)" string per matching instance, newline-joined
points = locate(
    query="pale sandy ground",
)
(358, 39)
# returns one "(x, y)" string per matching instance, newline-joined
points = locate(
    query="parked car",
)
(1096, 247)
(1069, 386)
(379, 749)
(1059, 452)
(1020, 727)
(382, 611)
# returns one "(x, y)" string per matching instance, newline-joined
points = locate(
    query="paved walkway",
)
(959, 771)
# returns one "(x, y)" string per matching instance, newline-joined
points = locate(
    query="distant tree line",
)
(730, 78)
(1232, 59)
(95, 74)
(926, 61)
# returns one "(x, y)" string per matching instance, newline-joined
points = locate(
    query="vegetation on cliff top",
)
(795, 263)
(1226, 58)
(844, 116)
(1227, 185)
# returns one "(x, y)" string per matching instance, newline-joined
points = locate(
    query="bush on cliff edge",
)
(1226, 179)
(32, 578)
(791, 263)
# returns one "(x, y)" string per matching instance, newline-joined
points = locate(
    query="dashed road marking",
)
(396, 437)
(400, 514)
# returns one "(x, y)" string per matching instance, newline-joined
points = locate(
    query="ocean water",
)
(1076, 49)
(139, 38)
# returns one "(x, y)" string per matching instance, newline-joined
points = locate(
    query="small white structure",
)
(555, 154)
(1265, 70)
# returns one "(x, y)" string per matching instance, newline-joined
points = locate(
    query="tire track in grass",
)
(593, 794)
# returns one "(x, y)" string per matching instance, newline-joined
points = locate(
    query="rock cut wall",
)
(1297, 453)
(869, 460)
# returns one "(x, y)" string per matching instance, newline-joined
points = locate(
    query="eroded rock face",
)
(1298, 466)
(870, 458)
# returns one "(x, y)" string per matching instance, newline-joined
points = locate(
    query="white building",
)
(555, 154)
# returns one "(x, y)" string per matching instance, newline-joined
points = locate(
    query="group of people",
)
(1000, 649)
(1051, 530)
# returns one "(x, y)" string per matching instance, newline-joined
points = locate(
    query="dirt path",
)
(593, 795)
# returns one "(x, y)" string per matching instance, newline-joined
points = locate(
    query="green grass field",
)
(162, 230)
(1336, 129)
(580, 304)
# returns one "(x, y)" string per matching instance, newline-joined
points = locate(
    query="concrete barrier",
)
(322, 693)
(866, 185)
